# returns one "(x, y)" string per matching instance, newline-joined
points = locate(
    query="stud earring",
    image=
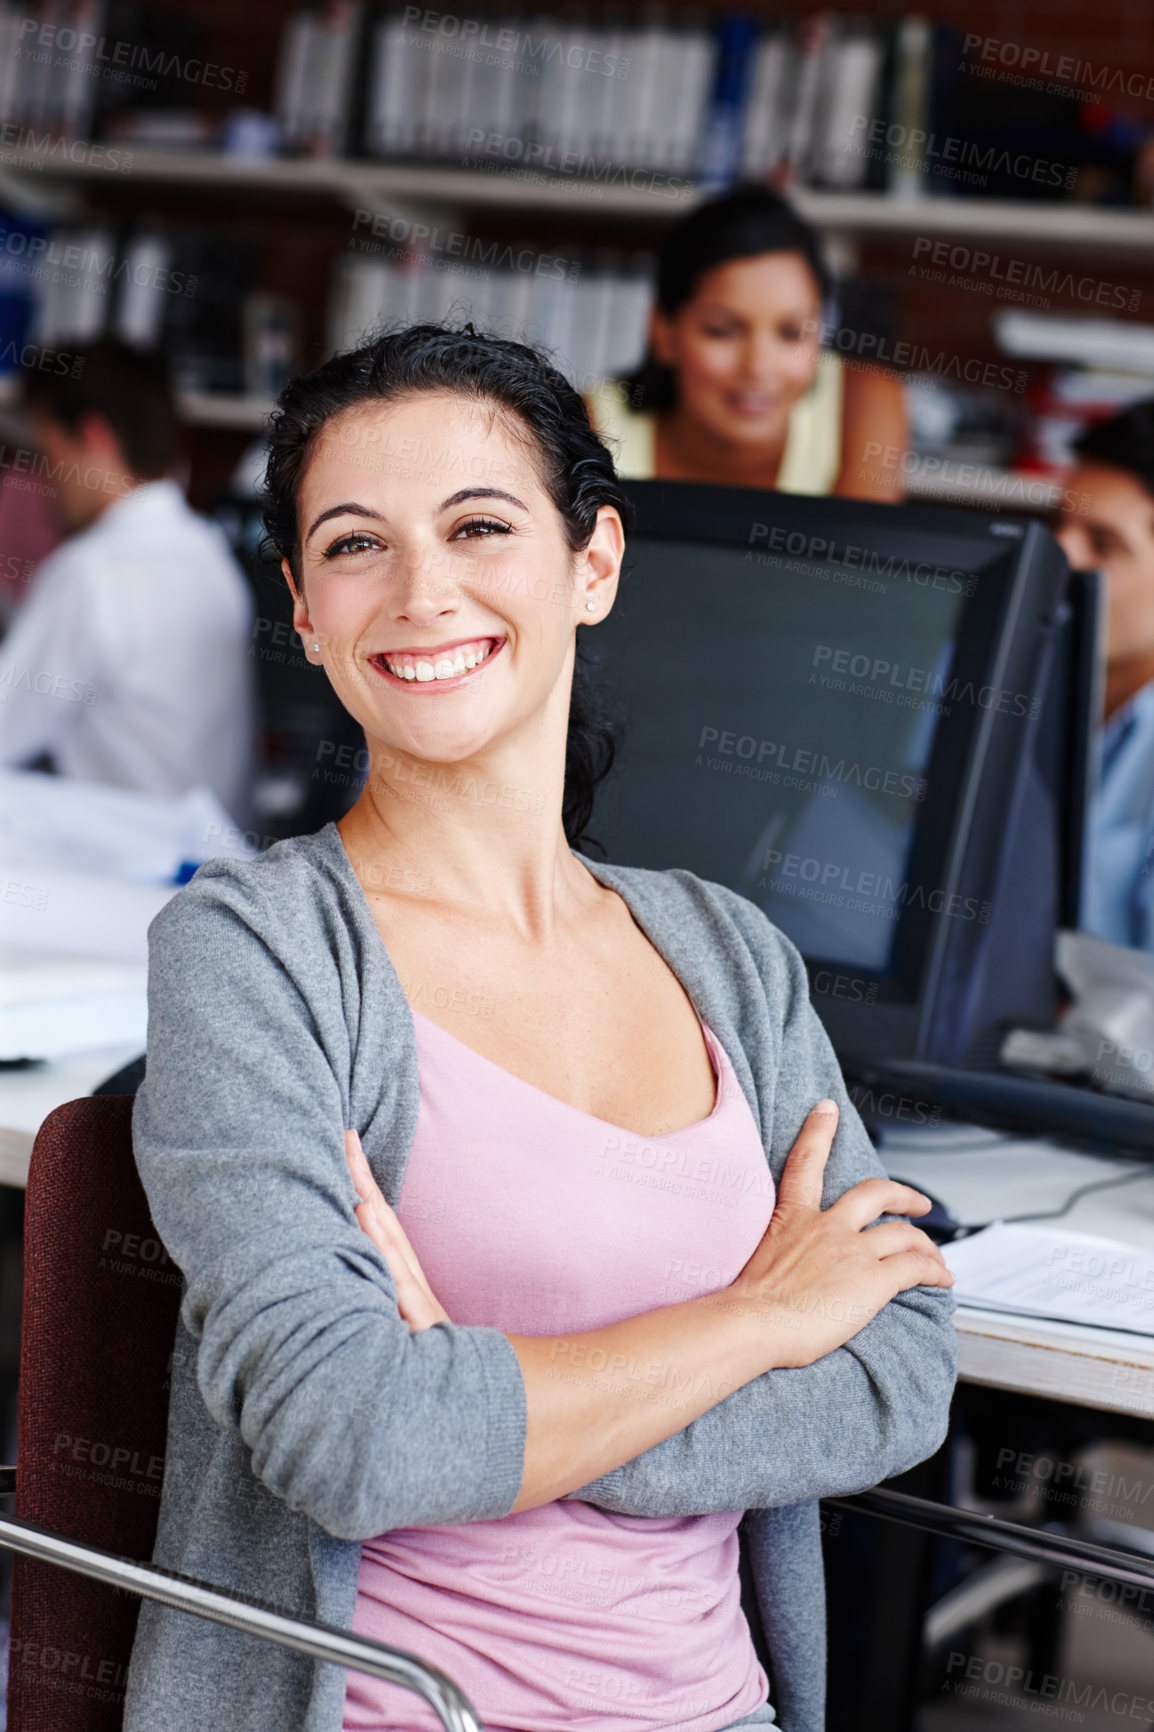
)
(317, 647)
(590, 607)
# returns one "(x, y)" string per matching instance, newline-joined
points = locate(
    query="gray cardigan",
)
(304, 1417)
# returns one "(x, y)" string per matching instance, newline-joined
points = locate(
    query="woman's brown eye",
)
(483, 526)
(349, 544)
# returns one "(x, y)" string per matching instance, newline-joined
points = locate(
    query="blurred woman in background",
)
(735, 387)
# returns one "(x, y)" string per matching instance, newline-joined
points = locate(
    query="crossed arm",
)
(833, 1370)
(776, 1408)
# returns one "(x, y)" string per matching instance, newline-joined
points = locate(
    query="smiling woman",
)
(442, 425)
(496, 1176)
(735, 386)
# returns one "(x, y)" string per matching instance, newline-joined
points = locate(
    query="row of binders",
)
(184, 289)
(680, 94)
(54, 61)
(828, 100)
(192, 293)
(590, 315)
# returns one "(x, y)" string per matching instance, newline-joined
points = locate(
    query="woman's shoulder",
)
(631, 434)
(705, 916)
(285, 890)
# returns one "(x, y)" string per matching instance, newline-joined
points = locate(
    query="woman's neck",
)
(485, 841)
(686, 451)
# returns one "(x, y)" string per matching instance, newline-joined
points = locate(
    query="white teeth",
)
(447, 666)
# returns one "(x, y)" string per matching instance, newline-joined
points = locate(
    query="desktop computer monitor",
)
(840, 710)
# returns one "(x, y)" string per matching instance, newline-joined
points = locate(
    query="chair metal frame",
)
(1055, 1551)
(450, 1704)
(239, 1612)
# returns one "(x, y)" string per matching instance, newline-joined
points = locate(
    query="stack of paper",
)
(1065, 1276)
(52, 1006)
(57, 823)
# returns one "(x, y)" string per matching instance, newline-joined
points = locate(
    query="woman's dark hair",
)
(740, 224)
(575, 467)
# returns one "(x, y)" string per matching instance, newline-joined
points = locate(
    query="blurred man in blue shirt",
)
(1110, 526)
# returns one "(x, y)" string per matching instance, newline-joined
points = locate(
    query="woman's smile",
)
(436, 667)
(755, 405)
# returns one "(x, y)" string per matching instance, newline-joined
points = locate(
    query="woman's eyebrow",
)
(480, 493)
(351, 507)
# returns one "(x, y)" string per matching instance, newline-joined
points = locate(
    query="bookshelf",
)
(357, 184)
(363, 117)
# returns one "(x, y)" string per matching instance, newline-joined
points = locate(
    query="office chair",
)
(101, 1301)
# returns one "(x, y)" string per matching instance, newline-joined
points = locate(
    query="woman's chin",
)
(749, 432)
(442, 749)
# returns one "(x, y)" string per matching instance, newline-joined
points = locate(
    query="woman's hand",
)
(817, 1273)
(416, 1300)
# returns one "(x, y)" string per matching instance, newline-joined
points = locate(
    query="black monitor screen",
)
(780, 716)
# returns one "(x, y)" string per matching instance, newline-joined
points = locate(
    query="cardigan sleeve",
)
(239, 1139)
(861, 1414)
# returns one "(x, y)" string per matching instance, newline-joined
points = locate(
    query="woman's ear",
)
(301, 621)
(600, 567)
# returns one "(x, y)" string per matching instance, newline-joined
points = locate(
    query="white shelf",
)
(1079, 228)
(241, 414)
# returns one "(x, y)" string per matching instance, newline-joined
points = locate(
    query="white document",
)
(53, 1005)
(1065, 1276)
(60, 824)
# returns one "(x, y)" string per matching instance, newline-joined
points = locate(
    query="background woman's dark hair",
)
(575, 467)
(740, 224)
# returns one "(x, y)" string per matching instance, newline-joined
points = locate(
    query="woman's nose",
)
(761, 359)
(423, 589)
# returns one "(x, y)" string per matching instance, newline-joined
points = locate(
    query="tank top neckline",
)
(717, 1059)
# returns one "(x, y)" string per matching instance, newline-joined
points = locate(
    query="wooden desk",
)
(1106, 1369)
(28, 1096)
(982, 1175)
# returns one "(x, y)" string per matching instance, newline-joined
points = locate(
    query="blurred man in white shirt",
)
(129, 662)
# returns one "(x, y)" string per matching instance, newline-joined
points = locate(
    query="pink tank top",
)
(531, 1216)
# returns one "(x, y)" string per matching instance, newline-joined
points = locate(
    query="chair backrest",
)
(101, 1300)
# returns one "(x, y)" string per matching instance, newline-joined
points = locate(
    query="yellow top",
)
(810, 462)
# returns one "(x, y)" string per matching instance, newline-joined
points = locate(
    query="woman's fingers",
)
(373, 1219)
(896, 1238)
(416, 1301)
(804, 1171)
(865, 1201)
(916, 1269)
(377, 1219)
